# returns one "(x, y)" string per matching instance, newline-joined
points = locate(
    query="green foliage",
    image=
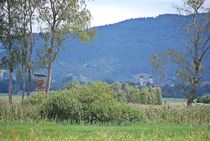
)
(134, 94)
(188, 66)
(61, 107)
(204, 99)
(176, 114)
(57, 108)
(35, 99)
(94, 102)
(18, 112)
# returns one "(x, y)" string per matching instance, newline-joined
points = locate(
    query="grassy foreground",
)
(16, 98)
(136, 132)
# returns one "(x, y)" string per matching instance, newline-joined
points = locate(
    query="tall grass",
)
(137, 132)
(152, 114)
(18, 112)
(175, 114)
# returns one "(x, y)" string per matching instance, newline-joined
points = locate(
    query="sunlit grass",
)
(54, 131)
(4, 96)
(175, 101)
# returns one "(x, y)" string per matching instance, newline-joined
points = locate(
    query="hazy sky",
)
(112, 11)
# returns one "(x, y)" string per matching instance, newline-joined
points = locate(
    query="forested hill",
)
(120, 51)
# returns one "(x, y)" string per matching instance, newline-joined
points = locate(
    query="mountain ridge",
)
(119, 51)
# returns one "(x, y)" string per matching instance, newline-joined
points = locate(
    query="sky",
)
(113, 11)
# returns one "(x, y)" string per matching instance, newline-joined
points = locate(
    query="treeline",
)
(204, 99)
(134, 94)
(180, 90)
(16, 86)
(56, 19)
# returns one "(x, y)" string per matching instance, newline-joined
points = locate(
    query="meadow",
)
(101, 117)
(4, 96)
(102, 132)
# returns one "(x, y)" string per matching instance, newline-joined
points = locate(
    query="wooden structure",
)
(40, 82)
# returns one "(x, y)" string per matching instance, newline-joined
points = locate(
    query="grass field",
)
(64, 131)
(175, 101)
(54, 131)
(5, 97)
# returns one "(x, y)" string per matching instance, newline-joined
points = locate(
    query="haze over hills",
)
(119, 51)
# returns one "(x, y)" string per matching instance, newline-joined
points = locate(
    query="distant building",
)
(3, 74)
(145, 80)
(40, 82)
(159, 85)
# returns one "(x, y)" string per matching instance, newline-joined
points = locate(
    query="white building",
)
(144, 79)
(3, 74)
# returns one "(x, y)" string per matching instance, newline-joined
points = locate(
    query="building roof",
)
(159, 85)
(40, 75)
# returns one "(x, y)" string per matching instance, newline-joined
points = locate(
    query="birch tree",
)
(10, 17)
(61, 17)
(26, 9)
(189, 66)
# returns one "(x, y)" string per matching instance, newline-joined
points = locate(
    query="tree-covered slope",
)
(120, 50)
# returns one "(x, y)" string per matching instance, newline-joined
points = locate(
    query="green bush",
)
(35, 99)
(57, 107)
(94, 102)
(61, 107)
(131, 114)
(204, 99)
(134, 94)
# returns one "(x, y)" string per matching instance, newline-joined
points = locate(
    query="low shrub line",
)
(97, 103)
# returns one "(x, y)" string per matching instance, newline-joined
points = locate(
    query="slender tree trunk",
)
(10, 66)
(30, 57)
(192, 95)
(49, 77)
(29, 83)
(23, 82)
(10, 86)
(189, 101)
(49, 67)
(10, 51)
(23, 88)
(29, 67)
(24, 60)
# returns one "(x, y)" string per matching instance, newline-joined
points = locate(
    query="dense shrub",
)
(61, 107)
(94, 102)
(204, 99)
(134, 94)
(35, 99)
(122, 113)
